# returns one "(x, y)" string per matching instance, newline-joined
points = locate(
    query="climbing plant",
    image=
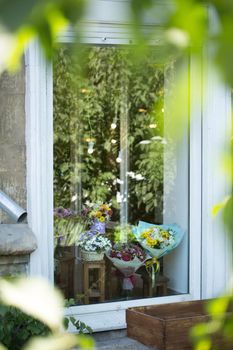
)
(90, 103)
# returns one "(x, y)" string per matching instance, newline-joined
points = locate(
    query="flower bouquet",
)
(93, 246)
(158, 240)
(98, 214)
(127, 258)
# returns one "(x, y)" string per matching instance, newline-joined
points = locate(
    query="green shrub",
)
(16, 327)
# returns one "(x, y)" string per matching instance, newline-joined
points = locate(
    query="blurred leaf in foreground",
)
(42, 20)
(60, 342)
(36, 298)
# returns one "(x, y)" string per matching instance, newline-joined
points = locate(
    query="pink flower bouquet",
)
(127, 258)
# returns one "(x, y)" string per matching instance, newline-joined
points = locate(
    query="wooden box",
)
(165, 327)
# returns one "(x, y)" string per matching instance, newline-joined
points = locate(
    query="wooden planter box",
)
(165, 327)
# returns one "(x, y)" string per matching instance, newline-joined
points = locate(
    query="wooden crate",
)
(165, 327)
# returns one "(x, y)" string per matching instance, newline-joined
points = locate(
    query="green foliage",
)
(217, 333)
(16, 328)
(80, 327)
(31, 317)
(35, 19)
(124, 234)
(86, 103)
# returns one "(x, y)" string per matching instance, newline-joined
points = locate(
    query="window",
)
(189, 189)
(114, 146)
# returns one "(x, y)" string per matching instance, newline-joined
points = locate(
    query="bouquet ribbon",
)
(129, 282)
(152, 266)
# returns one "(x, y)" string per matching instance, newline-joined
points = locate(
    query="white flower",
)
(96, 243)
(139, 177)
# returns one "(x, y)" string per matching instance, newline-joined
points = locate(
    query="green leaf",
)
(220, 206)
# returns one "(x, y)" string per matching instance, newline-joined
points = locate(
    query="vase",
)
(92, 256)
(98, 226)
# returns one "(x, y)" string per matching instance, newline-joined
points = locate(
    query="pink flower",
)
(126, 257)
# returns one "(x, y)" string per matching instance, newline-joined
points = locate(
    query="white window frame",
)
(39, 141)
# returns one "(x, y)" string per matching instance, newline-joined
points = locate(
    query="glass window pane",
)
(115, 164)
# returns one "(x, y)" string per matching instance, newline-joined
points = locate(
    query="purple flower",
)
(58, 211)
(63, 212)
(67, 213)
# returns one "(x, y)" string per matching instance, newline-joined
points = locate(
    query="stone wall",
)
(17, 242)
(12, 138)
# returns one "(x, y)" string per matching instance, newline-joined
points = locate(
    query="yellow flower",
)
(146, 233)
(151, 241)
(102, 219)
(165, 234)
(104, 207)
(98, 214)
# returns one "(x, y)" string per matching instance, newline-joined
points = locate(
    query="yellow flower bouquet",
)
(158, 240)
(98, 214)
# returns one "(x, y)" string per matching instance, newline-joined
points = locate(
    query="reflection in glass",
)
(113, 163)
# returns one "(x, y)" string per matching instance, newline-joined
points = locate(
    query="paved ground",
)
(116, 340)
